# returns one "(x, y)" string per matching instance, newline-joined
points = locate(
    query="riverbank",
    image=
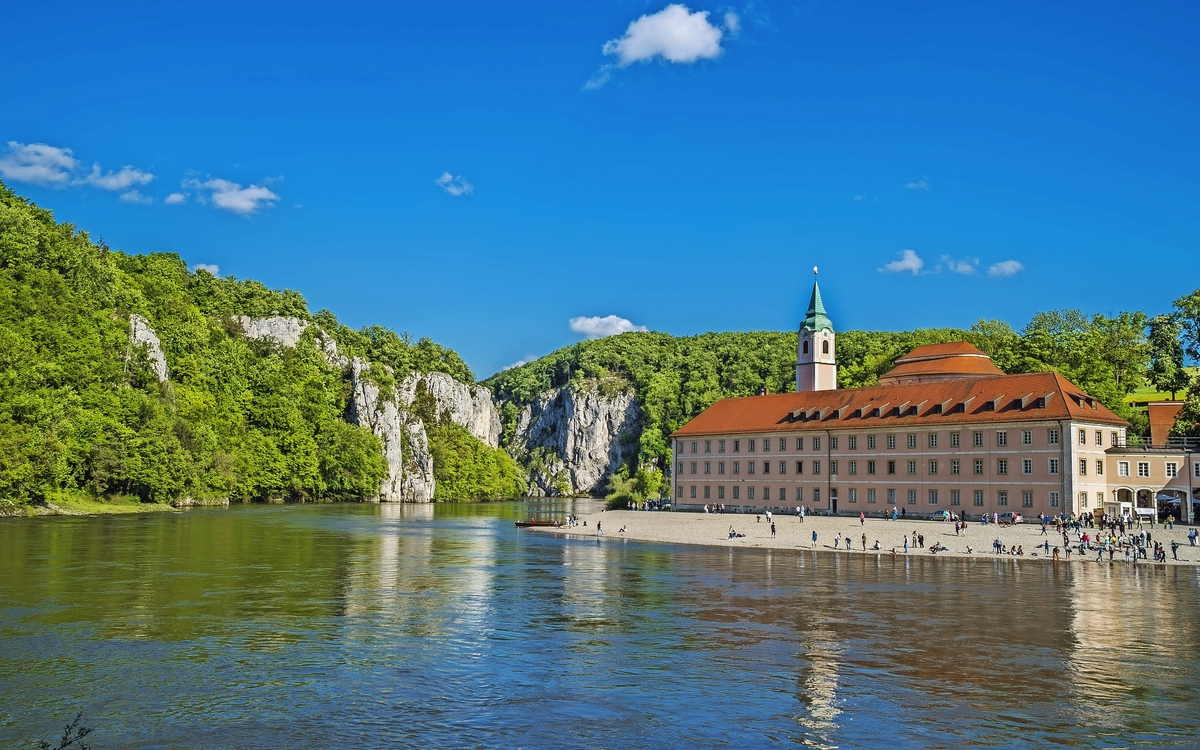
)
(712, 529)
(78, 506)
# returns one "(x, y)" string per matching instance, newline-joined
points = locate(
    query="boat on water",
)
(535, 522)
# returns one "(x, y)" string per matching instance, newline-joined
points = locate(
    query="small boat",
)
(535, 522)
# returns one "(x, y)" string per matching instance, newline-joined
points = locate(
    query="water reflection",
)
(390, 624)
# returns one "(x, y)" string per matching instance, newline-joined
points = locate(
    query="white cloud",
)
(732, 23)
(115, 181)
(674, 33)
(598, 328)
(212, 268)
(1005, 268)
(858, 198)
(599, 78)
(230, 196)
(133, 196)
(522, 361)
(921, 184)
(907, 261)
(174, 199)
(454, 185)
(966, 266)
(38, 164)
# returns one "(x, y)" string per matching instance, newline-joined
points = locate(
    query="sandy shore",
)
(791, 533)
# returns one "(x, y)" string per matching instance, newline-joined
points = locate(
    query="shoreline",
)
(711, 530)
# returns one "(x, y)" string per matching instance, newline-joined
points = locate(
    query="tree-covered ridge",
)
(81, 410)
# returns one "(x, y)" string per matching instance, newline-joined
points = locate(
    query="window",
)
(737, 467)
(954, 466)
(833, 467)
(1053, 499)
(782, 444)
(750, 466)
(1001, 438)
(1052, 437)
(1054, 466)
(737, 446)
(1172, 469)
(693, 490)
(955, 497)
(750, 445)
(912, 467)
(1083, 500)
(806, 347)
(720, 467)
(679, 468)
(693, 467)
(816, 443)
(736, 492)
(766, 444)
(721, 492)
(799, 443)
(799, 494)
(783, 493)
(799, 467)
(1143, 469)
(1122, 468)
(766, 467)
(833, 443)
(816, 494)
(1099, 467)
(783, 467)
(1027, 466)
(853, 495)
(1114, 440)
(749, 493)
(1099, 438)
(1002, 466)
(978, 466)
(1026, 499)
(1026, 437)
(706, 493)
(708, 446)
(912, 497)
(1083, 467)
(1195, 470)
(933, 440)
(708, 467)
(978, 437)
(933, 497)
(816, 468)
(891, 467)
(1083, 437)
(824, 347)
(892, 497)
(912, 441)
(721, 446)
(766, 493)
(853, 442)
(870, 495)
(871, 467)
(978, 497)
(891, 442)
(954, 440)
(933, 467)
(853, 467)
(870, 442)
(1002, 498)
(679, 490)
(1099, 499)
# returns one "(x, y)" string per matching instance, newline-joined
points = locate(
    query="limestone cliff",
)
(574, 437)
(141, 334)
(470, 406)
(282, 330)
(410, 472)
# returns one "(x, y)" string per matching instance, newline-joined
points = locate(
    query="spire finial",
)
(814, 270)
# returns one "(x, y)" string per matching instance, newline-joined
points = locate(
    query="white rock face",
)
(141, 334)
(410, 477)
(469, 406)
(329, 347)
(282, 330)
(583, 431)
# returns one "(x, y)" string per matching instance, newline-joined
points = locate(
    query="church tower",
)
(816, 363)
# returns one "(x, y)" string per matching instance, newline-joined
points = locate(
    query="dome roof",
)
(933, 362)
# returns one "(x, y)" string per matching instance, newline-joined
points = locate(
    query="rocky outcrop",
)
(141, 334)
(573, 438)
(284, 331)
(470, 406)
(410, 472)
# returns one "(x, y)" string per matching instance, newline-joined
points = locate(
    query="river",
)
(443, 626)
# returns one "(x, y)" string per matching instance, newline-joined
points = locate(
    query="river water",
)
(443, 626)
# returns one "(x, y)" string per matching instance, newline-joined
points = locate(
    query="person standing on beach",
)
(1174, 550)
(598, 531)
(837, 540)
(814, 543)
(772, 529)
(862, 519)
(906, 544)
(864, 542)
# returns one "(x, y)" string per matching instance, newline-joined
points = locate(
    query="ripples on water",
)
(372, 626)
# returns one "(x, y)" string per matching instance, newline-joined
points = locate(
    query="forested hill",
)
(82, 410)
(675, 378)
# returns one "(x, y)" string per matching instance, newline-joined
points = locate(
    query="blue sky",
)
(683, 172)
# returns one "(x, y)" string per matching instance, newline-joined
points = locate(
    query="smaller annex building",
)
(945, 429)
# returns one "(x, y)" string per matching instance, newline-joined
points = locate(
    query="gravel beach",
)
(712, 529)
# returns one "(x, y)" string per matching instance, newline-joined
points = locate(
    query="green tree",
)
(1167, 371)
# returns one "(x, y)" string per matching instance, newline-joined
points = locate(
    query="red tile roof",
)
(1003, 398)
(938, 362)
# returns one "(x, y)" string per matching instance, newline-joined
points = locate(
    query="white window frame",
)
(1143, 469)
(1122, 468)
